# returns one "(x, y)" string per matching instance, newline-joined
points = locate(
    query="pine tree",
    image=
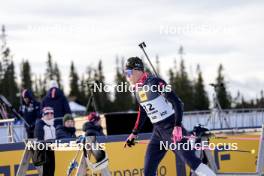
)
(8, 84)
(86, 88)
(36, 88)
(172, 75)
(184, 87)
(52, 72)
(83, 91)
(57, 75)
(50, 68)
(102, 99)
(39, 87)
(26, 81)
(171, 78)
(221, 92)
(157, 64)
(237, 99)
(260, 101)
(74, 85)
(42, 82)
(200, 98)
(123, 100)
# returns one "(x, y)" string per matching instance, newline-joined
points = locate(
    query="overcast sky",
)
(212, 32)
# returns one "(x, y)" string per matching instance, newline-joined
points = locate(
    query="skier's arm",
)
(173, 99)
(177, 105)
(141, 117)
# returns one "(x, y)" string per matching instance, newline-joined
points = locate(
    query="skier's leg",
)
(194, 162)
(153, 155)
(186, 155)
(204, 170)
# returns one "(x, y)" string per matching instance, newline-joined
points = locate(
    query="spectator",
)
(67, 130)
(56, 99)
(45, 131)
(30, 110)
(93, 126)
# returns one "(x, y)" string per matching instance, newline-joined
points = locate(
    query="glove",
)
(130, 140)
(177, 134)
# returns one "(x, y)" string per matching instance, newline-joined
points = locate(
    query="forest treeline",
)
(191, 91)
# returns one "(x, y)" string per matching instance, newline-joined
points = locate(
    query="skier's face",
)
(133, 75)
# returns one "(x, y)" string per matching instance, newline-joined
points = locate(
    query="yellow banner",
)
(130, 161)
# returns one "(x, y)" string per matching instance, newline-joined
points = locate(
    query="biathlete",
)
(165, 111)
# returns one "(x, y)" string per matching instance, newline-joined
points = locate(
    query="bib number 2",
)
(148, 107)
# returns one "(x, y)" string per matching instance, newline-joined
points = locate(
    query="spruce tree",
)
(157, 64)
(50, 68)
(260, 101)
(26, 81)
(52, 72)
(57, 75)
(200, 98)
(184, 88)
(102, 98)
(9, 87)
(221, 91)
(123, 100)
(74, 83)
(83, 91)
(35, 88)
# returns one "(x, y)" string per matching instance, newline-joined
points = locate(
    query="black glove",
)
(131, 140)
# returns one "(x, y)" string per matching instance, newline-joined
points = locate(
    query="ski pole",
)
(142, 46)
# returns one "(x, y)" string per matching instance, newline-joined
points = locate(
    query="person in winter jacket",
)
(92, 127)
(56, 99)
(67, 130)
(30, 111)
(44, 132)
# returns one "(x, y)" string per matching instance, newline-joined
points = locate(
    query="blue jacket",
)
(56, 99)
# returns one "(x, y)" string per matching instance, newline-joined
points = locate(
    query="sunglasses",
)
(128, 72)
(49, 113)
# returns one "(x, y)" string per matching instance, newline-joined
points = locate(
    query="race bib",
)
(158, 109)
